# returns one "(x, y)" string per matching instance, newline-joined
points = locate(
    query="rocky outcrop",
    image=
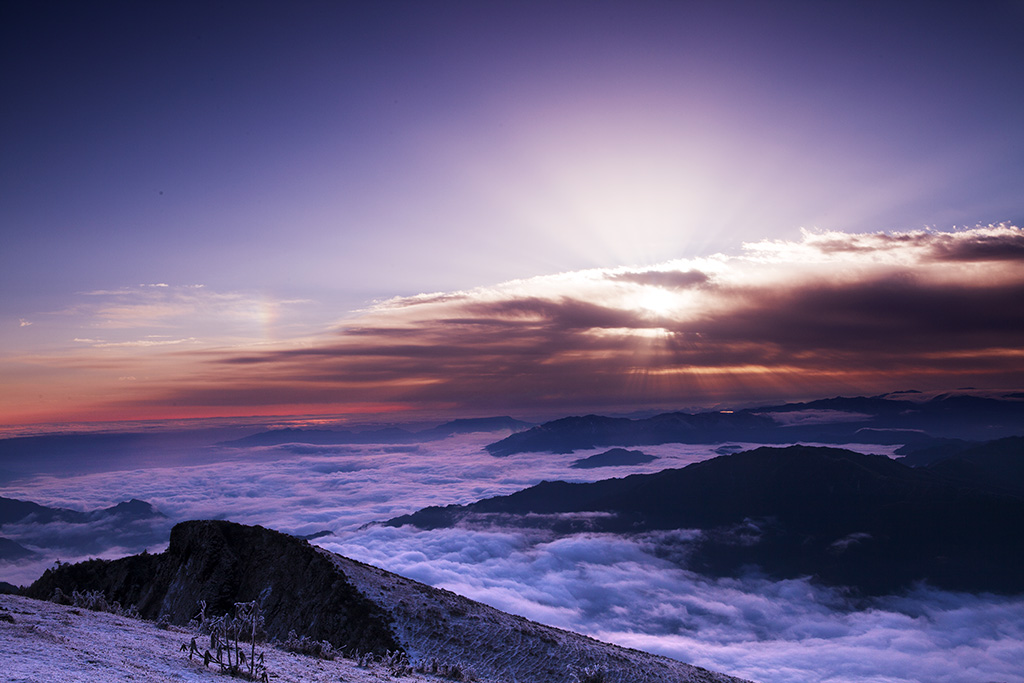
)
(222, 563)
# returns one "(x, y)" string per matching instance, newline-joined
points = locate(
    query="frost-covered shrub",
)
(94, 601)
(227, 633)
(304, 645)
(453, 672)
(397, 663)
(589, 674)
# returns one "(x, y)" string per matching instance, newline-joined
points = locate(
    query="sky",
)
(392, 210)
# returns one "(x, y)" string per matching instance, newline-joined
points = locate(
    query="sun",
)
(656, 301)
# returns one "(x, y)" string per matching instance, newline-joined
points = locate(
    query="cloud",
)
(627, 590)
(1003, 242)
(298, 488)
(162, 306)
(616, 589)
(157, 333)
(137, 343)
(669, 279)
(981, 244)
(831, 313)
(812, 416)
(91, 538)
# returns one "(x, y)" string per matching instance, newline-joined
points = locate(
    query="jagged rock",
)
(222, 563)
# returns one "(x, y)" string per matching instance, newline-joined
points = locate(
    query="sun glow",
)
(657, 301)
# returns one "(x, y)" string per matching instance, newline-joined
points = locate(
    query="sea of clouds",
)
(618, 589)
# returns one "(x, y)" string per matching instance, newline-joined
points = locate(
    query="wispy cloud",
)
(70, 363)
(137, 343)
(157, 306)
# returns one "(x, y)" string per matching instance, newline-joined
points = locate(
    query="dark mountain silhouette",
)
(928, 451)
(315, 535)
(997, 466)
(616, 457)
(844, 518)
(12, 551)
(881, 420)
(133, 524)
(352, 605)
(20, 511)
(391, 435)
(477, 424)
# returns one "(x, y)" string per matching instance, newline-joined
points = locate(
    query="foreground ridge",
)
(352, 605)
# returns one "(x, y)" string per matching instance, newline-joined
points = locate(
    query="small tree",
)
(227, 633)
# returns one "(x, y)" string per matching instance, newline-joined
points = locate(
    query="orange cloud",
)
(831, 313)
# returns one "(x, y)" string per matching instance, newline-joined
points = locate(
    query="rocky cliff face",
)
(350, 604)
(222, 563)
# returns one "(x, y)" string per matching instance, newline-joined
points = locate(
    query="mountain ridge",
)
(350, 604)
(394, 435)
(846, 518)
(838, 420)
(13, 511)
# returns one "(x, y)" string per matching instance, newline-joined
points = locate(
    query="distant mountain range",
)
(14, 511)
(392, 435)
(863, 521)
(12, 551)
(878, 420)
(352, 605)
(23, 523)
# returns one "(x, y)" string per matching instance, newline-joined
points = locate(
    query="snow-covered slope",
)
(43, 642)
(435, 623)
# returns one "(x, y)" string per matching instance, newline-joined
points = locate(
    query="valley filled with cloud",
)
(625, 590)
(635, 225)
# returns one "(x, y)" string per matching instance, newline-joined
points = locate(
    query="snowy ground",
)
(42, 642)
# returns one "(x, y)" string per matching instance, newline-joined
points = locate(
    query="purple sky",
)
(190, 190)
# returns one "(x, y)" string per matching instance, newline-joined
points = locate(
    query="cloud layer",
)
(831, 313)
(620, 589)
